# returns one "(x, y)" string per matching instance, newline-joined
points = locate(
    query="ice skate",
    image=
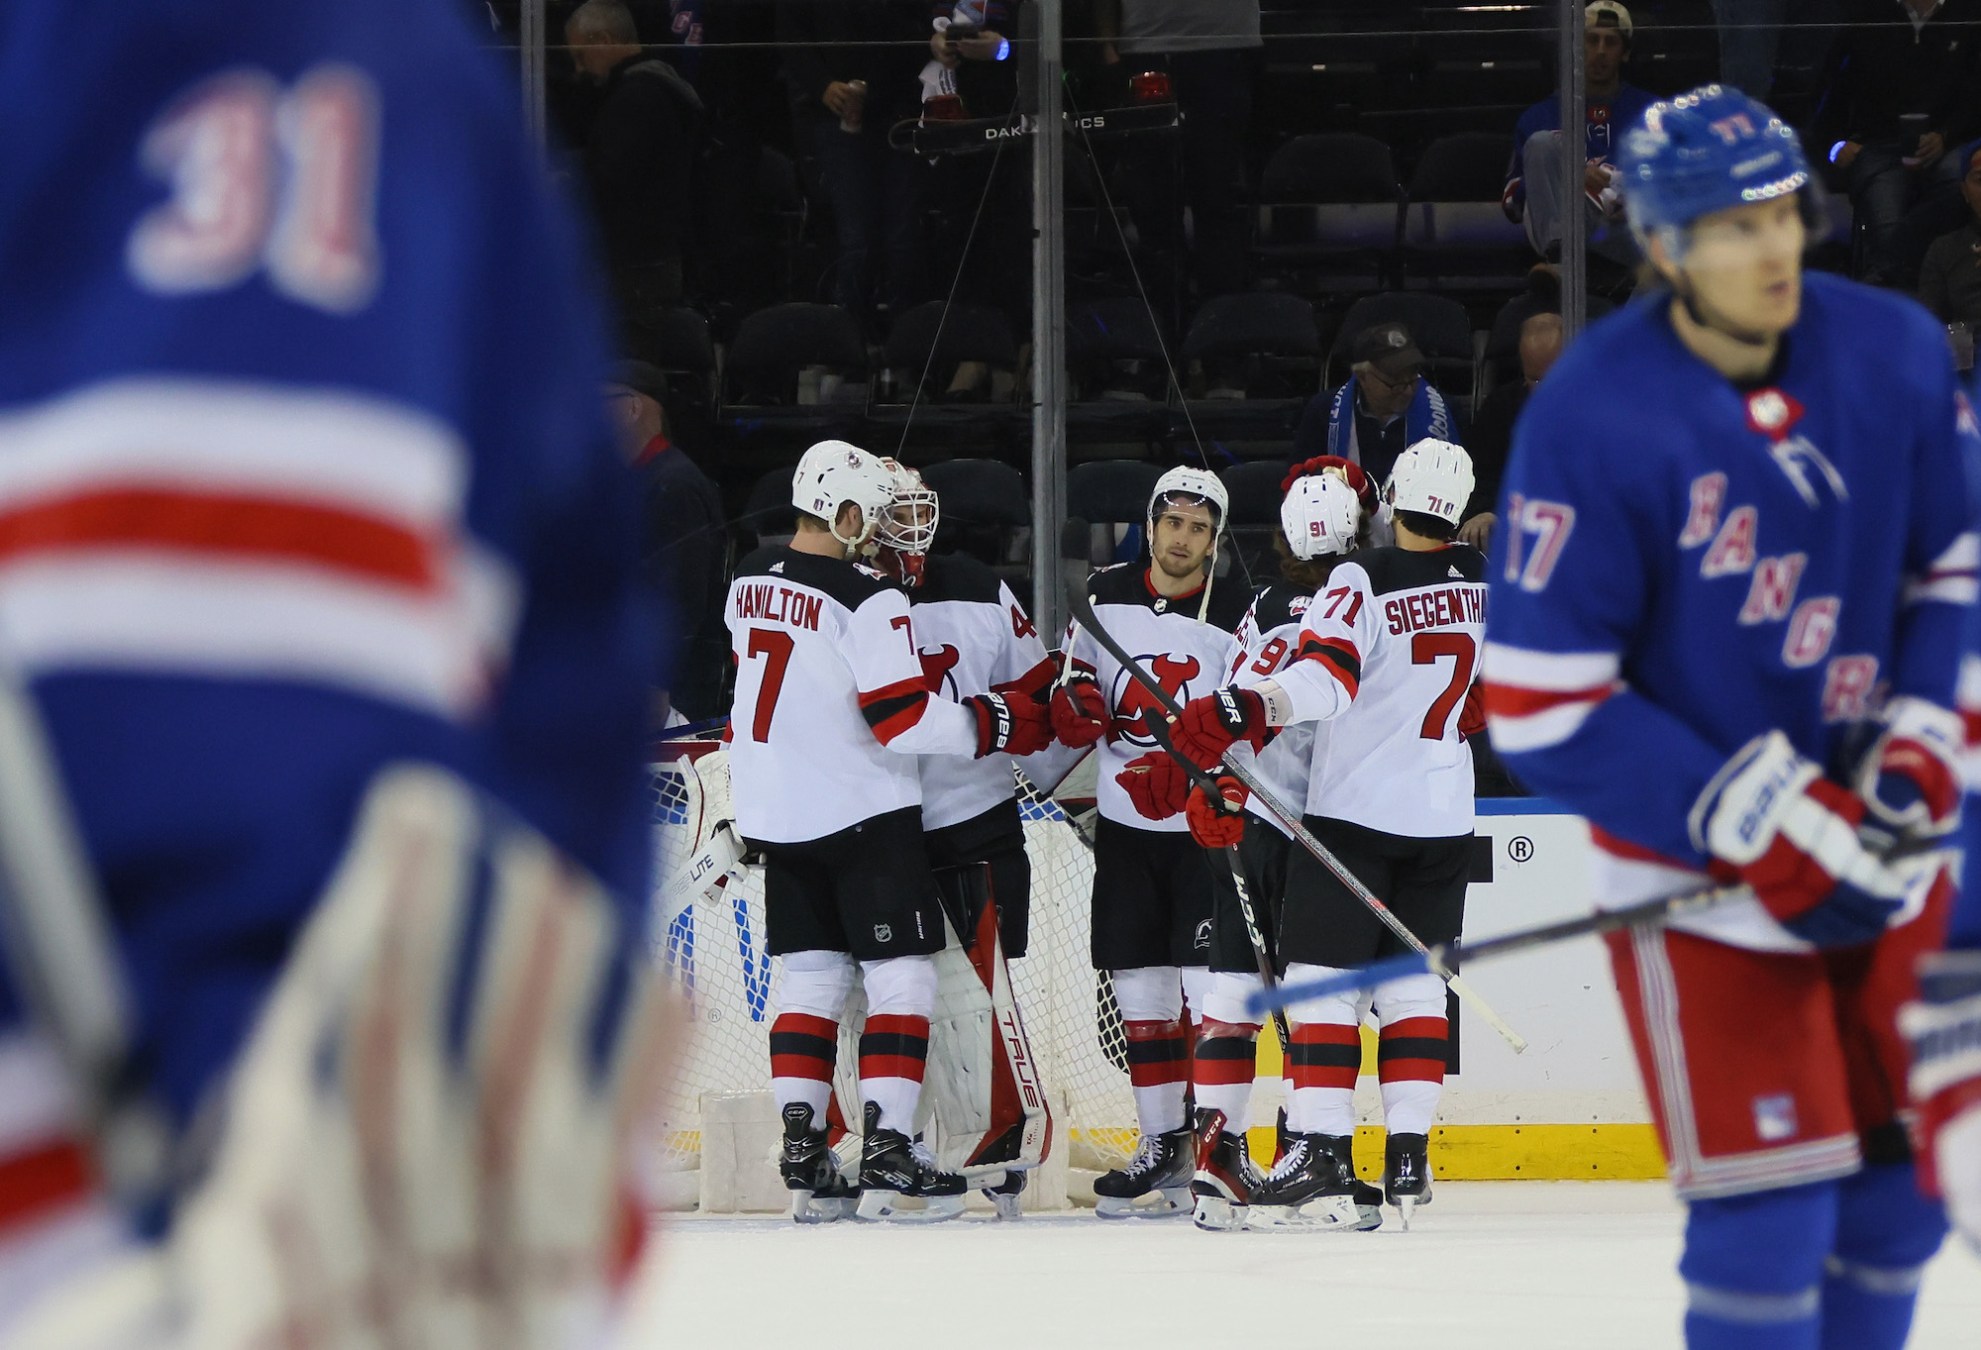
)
(1222, 1187)
(899, 1181)
(1004, 1194)
(1407, 1173)
(1156, 1182)
(1368, 1198)
(820, 1193)
(1309, 1191)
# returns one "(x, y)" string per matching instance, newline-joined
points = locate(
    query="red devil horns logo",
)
(936, 666)
(1136, 705)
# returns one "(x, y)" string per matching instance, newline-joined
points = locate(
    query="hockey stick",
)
(1083, 611)
(1645, 914)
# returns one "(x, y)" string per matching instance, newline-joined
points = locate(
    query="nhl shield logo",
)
(883, 932)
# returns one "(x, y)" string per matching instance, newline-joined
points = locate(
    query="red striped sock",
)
(1322, 1065)
(1159, 1071)
(1410, 1060)
(894, 1054)
(1222, 1070)
(802, 1051)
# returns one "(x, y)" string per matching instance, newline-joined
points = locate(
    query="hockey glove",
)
(1209, 725)
(1156, 784)
(1943, 1028)
(1012, 723)
(1909, 774)
(1792, 835)
(1079, 713)
(1220, 823)
(1472, 714)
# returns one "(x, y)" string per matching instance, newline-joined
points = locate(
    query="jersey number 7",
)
(1429, 648)
(775, 648)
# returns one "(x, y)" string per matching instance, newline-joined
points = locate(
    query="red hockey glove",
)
(1943, 1028)
(1351, 473)
(1792, 835)
(1472, 715)
(1211, 724)
(1156, 784)
(1221, 823)
(1079, 713)
(1909, 777)
(1014, 724)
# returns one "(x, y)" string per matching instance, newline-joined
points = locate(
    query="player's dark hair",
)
(1430, 526)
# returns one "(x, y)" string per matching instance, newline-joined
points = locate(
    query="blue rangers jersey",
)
(1685, 564)
(303, 469)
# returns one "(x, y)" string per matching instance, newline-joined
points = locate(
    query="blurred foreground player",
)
(832, 707)
(1728, 615)
(321, 578)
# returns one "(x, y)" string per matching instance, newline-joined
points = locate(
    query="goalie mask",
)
(907, 527)
(1432, 478)
(832, 473)
(1321, 516)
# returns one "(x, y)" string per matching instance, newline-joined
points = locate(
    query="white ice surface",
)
(1489, 1266)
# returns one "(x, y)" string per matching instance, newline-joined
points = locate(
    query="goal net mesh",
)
(713, 949)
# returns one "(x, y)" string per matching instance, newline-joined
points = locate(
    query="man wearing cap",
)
(1950, 280)
(1385, 405)
(1534, 193)
(684, 538)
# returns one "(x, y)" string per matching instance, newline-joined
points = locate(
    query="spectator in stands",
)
(1210, 48)
(638, 157)
(1385, 405)
(1750, 37)
(1535, 194)
(1902, 89)
(853, 70)
(686, 536)
(1950, 278)
(1541, 336)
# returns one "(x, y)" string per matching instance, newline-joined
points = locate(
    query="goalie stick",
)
(1083, 613)
(1645, 914)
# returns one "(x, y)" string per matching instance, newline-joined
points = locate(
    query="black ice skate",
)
(1311, 1190)
(1407, 1173)
(819, 1193)
(1156, 1182)
(900, 1181)
(1222, 1188)
(1368, 1198)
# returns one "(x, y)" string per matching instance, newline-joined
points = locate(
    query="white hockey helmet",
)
(832, 473)
(1321, 516)
(1433, 478)
(1203, 486)
(907, 527)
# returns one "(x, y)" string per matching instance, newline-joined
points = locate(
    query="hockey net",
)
(710, 941)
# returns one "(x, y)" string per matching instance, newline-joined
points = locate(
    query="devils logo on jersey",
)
(1133, 704)
(937, 663)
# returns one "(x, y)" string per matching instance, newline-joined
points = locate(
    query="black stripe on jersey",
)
(1396, 569)
(1128, 584)
(887, 706)
(1335, 652)
(1408, 1047)
(1156, 1050)
(798, 1043)
(851, 586)
(1325, 1055)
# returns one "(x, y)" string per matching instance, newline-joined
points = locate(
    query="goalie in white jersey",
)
(831, 708)
(1153, 888)
(1389, 658)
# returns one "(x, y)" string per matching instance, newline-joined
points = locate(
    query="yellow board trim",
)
(1616, 1152)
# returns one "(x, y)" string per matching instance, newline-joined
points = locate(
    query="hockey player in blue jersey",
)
(1727, 616)
(319, 589)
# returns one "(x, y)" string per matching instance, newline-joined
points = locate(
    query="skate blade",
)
(807, 1207)
(1323, 1214)
(1405, 1204)
(1217, 1214)
(1166, 1204)
(1004, 1206)
(894, 1207)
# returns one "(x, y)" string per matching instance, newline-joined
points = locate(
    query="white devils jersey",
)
(1270, 637)
(1186, 657)
(1390, 650)
(831, 703)
(974, 638)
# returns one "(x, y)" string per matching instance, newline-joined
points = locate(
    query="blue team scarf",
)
(1426, 416)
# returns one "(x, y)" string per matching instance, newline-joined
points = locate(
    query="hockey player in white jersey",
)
(1387, 659)
(974, 637)
(1153, 887)
(831, 708)
(1322, 523)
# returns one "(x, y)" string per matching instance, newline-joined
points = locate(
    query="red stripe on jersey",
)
(1338, 656)
(1508, 700)
(894, 709)
(1034, 683)
(1970, 725)
(230, 525)
(51, 1177)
